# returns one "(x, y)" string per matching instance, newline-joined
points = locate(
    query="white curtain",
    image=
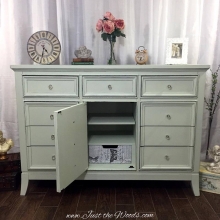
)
(148, 23)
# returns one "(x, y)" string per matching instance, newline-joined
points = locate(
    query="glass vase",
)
(112, 60)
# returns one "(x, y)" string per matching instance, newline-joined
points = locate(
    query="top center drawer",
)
(109, 86)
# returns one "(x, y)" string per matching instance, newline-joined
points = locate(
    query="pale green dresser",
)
(121, 122)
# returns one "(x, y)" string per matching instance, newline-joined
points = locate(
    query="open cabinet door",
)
(71, 144)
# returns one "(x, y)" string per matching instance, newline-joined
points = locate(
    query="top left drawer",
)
(54, 86)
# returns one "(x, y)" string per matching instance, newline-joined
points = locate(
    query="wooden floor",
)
(109, 200)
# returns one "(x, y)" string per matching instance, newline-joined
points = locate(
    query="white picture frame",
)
(177, 51)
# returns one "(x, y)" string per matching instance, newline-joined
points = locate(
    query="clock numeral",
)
(55, 41)
(30, 48)
(55, 54)
(37, 59)
(32, 41)
(50, 59)
(44, 60)
(36, 36)
(32, 54)
(49, 36)
(43, 34)
(57, 48)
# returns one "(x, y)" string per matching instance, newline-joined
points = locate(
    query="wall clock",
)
(43, 47)
(141, 56)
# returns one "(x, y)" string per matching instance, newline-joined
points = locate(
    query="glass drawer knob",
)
(52, 137)
(169, 87)
(167, 157)
(53, 157)
(168, 116)
(50, 87)
(51, 117)
(167, 137)
(109, 87)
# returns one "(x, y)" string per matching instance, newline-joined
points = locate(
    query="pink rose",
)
(99, 25)
(108, 27)
(109, 16)
(119, 23)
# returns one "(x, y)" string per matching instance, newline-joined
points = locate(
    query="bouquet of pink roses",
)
(110, 27)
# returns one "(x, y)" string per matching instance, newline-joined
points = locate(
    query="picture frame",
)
(177, 51)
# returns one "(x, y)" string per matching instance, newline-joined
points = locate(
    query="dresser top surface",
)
(106, 68)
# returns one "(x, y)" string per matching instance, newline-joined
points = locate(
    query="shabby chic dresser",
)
(103, 122)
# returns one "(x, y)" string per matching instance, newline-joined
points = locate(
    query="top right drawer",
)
(169, 86)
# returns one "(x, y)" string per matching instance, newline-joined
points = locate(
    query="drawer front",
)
(40, 135)
(166, 158)
(40, 113)
(41, 157)
(50, 86)
(109, 86)
(168, 114)
(169, 86)
(167, 136)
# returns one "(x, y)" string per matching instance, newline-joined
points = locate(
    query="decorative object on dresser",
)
(212, 104)
(10, 172)
(177, 51)
(141, 56)
(5, 146)
(153, 113)
(43, 47)
(110, 28)
(83, 57)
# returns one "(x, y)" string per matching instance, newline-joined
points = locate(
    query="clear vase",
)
(112, 60)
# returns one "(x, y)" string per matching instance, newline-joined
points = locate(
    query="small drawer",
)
(40, 135)
(41, 113)
(50, 86)
(166, 158)
(41, 157)
(168, 113)
(109, 86)
(169, 86)
(167, 136)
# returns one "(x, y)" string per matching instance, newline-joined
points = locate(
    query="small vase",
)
(112, 60)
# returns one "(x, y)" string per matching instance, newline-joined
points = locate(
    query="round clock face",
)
(141, 58)
(43, 47)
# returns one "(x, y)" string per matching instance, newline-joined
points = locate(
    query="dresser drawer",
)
(41, 157)
(50, 86)
(167, 136)
(41, 113)
(109, 86)
(175, 158)
(169, 86)
(40, 135)
(168, 113)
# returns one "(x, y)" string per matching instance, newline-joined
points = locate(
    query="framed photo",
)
(177, 51)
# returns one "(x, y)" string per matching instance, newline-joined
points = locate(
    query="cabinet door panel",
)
(71, 144)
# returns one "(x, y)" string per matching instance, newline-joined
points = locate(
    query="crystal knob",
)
(167, 137)
(50, 87)
(52, 137)
(169, 87)
(51, 117)
(168, 117)
(109, 87)
(53, 157)
(167, 157)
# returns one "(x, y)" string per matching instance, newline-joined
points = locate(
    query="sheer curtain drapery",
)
(148, 23)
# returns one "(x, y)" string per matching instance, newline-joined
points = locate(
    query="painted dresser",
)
(122, 122)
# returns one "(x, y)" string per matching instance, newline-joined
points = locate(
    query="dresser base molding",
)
(61, 108)
(116, 175)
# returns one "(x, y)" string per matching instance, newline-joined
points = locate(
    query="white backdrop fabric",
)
(148, 23)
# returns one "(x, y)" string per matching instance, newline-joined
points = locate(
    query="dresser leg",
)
(24, 183)
(195, 184)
